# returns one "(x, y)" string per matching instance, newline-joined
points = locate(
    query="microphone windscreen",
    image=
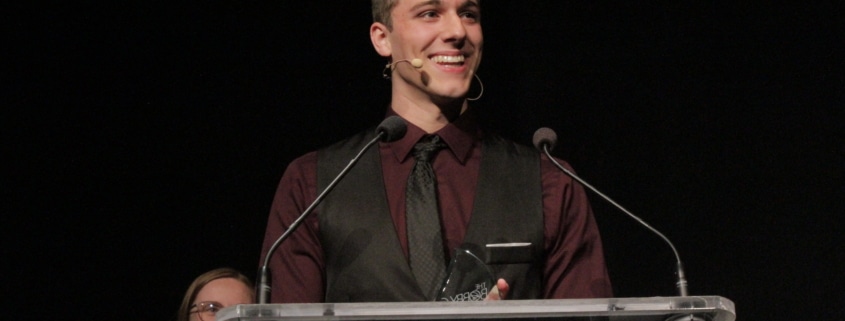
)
(393, 127)
(545, 136)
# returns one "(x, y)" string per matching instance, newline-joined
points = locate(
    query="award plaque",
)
(467, 278)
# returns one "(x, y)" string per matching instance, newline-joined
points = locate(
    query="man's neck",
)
(428, 115)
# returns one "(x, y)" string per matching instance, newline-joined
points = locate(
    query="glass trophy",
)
(467, 278)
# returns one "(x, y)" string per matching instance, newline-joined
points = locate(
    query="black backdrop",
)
(146, 139)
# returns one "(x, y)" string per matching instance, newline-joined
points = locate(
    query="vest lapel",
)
(364, 261)
(509, 172)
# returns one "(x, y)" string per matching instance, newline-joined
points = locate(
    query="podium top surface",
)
(705, 308)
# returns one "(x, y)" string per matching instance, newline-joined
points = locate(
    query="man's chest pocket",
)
(509, 253)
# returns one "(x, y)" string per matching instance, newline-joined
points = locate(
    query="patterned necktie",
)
(425, 241)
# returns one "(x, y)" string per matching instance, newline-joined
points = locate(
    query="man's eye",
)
(470, 15)
(428, 14)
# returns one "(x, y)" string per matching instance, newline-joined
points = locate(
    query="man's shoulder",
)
(304, 164)
(305, 167)
(507, 144)
(358, 139)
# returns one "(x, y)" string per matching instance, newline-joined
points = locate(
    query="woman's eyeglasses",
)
(206, 310)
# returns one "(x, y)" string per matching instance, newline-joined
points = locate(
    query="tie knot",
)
(426, 148)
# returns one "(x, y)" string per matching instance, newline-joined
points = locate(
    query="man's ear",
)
(378, 35)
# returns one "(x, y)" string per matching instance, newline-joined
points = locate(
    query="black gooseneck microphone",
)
(545, 139)
(391, 129)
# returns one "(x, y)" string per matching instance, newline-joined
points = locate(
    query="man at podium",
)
(388, 229)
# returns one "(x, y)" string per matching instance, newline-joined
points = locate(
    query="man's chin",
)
(449, 98)
(449, 91)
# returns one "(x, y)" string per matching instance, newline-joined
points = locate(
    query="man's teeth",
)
(447, 59)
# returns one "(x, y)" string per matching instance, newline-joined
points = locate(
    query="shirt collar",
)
(459, 136)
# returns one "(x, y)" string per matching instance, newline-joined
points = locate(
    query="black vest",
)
(363, 257)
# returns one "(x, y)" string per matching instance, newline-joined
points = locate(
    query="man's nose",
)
(454, 29)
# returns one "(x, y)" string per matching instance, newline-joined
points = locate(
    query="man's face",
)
(446, 35)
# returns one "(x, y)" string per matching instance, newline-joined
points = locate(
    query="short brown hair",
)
(381, 11)
(201, 281)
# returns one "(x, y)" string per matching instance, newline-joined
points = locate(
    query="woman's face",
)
(222, 293)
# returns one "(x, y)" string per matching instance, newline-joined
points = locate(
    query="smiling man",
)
(387, 231)
(447, 37)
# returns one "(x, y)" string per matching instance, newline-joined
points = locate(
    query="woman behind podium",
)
(212, 291)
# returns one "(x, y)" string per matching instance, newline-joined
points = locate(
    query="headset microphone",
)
(416, 62)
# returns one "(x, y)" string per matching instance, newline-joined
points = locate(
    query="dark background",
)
(145, 140)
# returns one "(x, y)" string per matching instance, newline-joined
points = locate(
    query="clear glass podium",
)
(690, 308)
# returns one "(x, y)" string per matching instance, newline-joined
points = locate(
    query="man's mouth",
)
(448, 60)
